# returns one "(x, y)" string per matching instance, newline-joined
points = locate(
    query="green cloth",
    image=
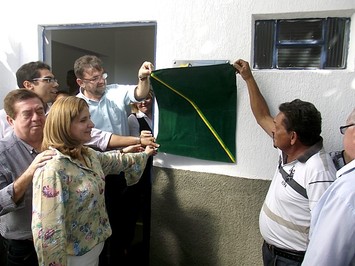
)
(197, 111)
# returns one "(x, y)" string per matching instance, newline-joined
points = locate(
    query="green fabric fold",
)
(197, 111)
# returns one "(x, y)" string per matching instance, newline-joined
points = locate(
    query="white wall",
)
(201, 29)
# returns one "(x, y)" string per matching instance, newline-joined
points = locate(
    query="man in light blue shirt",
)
(109, 103)
(332, 232)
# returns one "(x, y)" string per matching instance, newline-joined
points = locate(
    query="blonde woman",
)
(69, 221)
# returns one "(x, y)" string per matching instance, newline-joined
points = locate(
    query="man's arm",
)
(142, 90)
(258, 104)
(21, 184)
(104, 140)
(117, 141)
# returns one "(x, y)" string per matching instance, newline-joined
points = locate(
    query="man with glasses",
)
(108, 108)
(332, 232)
(303, 173)
(37, 77)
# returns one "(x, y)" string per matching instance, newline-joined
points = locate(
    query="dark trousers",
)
(3, 252)
(125, 205)
(138, 199)
(270, 258)
(114, 253)
(20, 253)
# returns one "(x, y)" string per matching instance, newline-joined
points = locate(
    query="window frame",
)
(269, 29)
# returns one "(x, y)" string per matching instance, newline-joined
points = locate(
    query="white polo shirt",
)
(285, 216)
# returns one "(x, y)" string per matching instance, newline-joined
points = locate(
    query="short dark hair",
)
(303, 118)
(87, 61)
(30, 71)
(16, 96)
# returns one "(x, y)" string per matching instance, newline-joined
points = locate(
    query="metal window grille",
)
(317, 43)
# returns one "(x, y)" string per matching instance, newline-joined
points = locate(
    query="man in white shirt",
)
(332, 233)
(304, 172)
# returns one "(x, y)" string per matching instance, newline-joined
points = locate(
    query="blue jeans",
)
(271, 259)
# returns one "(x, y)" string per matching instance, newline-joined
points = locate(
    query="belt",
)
(285, 253)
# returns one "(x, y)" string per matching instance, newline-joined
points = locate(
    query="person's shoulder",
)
(132, 116)
(113, 86)
(321, 162)
(120, 88)
(8, 141)
(4, 145)
(57, 161)
(344, 187)
(93, 152)
(319, 157)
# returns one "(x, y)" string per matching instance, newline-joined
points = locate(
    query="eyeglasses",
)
(343, 128)
(97, 78)
(48, 80)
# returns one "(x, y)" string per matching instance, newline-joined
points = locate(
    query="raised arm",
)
(143, 87)
(258, 104)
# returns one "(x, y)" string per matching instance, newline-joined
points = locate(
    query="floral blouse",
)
(69, 215)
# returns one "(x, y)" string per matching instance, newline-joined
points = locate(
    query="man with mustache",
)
(303, 173)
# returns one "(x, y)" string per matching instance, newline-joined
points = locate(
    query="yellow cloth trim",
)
(204, 119)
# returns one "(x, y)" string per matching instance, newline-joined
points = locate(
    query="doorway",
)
(122, 47)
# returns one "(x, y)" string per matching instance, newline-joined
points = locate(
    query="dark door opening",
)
(123, 47)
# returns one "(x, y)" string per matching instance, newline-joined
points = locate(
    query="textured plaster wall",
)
(205, 219)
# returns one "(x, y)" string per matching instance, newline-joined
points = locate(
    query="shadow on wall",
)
(181, 229)
(205, 219)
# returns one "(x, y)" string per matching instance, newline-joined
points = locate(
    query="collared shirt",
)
(111, 111)
(286, 214)
(15, 158)
(332, 233)
(69, 213)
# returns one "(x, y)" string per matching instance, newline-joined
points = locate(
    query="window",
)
(318, 43)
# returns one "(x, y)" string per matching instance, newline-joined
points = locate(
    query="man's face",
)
(45, 87)
(93, 83)
(282, 138)
(29, 121)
